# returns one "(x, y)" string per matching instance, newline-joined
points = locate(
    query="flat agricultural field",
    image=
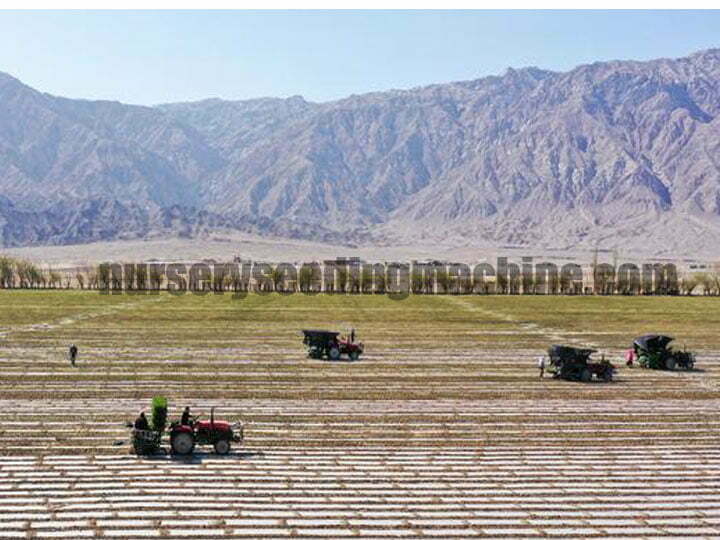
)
(442, 429)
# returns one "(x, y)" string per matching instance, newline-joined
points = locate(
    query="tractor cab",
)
(652, 343)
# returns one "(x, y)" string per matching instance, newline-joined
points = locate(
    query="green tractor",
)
(575, 364)
(653, 352)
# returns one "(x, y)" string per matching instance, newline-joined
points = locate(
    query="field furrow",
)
(442, 429)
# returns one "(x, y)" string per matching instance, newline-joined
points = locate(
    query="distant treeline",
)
(402, 279)
(364, 278)
(21, 274)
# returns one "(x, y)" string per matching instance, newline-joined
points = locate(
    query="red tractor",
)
(323, 344)
(218, 433)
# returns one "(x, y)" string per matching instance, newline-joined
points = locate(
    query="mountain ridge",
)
(625, 151)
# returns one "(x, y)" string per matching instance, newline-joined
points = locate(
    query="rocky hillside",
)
(616, 153)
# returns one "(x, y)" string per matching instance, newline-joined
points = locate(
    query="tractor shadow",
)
(198, 458)
(678, 371)
(693, 370)
(340, 360)
(616, 381)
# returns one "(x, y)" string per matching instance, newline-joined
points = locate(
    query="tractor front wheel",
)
(222, 447)
(354, 356)
(183, 444)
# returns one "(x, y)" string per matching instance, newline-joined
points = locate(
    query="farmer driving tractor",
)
(186, 419)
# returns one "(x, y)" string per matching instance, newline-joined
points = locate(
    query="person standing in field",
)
(72, 354)
(541, 365)
(629, 357)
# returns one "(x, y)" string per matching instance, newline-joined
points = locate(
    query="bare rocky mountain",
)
(616, 153)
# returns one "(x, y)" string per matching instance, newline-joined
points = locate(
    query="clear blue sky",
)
(156, 57)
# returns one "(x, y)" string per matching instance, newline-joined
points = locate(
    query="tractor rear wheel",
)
(607, 376)
(354, 356)
(586, 375)
(222, 447)
(333, 353)
(670, 363)
(183, 444)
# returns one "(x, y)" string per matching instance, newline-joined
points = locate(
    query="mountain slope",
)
(613, 153)
(58, 149)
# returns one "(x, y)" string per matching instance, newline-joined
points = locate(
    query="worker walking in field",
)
(541, 365)
(72, 354)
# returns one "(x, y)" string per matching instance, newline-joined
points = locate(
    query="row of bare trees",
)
(21, 274)
(376, 278)
(396, 278)
(706, 283)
